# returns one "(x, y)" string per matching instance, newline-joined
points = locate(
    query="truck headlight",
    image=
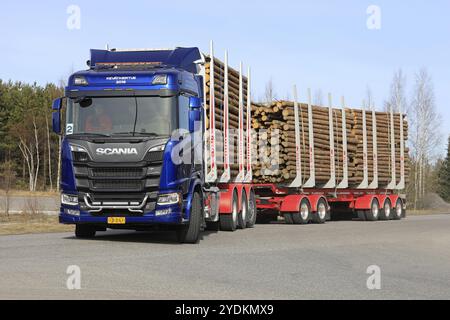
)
(69, 199)
(160, 79)
(79, 154)
(80, 81)
(169, 199)
(158, 148)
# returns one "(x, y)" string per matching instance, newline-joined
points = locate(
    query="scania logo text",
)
(116, 151)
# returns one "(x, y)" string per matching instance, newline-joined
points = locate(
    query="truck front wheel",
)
(84, 231)
(191, 232)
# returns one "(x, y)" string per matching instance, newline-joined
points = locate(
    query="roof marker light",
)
(80, 81)
(160, 79)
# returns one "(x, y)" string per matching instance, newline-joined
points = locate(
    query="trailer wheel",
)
(84, 231)
(288, 218)
(229, 222)
(191, 232)
(243, 215)
(322, 212)
(251, 210)
(361, 215)
(386, 212)
(304, 216)
(374, 212)
(398, 210)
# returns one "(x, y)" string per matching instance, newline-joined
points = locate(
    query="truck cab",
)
(124, 120)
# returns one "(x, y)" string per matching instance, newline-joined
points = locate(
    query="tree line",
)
(29, 150)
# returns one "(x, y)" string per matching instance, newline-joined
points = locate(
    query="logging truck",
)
(163, 138)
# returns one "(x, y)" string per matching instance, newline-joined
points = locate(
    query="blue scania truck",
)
(117, 121)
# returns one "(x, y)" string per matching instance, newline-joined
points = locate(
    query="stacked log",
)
(280, 116)
(233, 110)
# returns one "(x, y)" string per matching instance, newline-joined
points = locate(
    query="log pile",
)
(233, 110)
(276, 125)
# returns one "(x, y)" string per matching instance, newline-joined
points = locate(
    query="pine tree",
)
(444, 177)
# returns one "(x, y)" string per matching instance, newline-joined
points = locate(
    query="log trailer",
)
(305, 200)
(123, 165)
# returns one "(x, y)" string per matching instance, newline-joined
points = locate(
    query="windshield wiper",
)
(91, 134)
(149, 134)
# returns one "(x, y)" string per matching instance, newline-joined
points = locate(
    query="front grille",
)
(117, 172)
(117, 184)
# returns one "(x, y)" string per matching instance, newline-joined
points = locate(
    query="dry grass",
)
(31, 223)
(24, 193)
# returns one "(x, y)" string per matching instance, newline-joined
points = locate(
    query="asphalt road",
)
(268, 262)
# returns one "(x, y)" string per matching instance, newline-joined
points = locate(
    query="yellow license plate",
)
(116, 220)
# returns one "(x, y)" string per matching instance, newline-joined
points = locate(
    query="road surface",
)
(268, 262)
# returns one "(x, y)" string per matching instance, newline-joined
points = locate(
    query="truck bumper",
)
(149, 219)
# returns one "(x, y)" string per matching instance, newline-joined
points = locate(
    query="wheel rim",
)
(322, 211)
(252, 209)
(387, 209)
(398, 209)
(244, 209)
(304, 211)
(235, 211)
(375, 209)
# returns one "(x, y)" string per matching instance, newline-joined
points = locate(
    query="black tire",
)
(84, 231)
(191, 233)
(252, 211)
(304, 214)
(243, 214)
(373, 213)
(229, 222)
(320, 217)
(361, 215)
(288, 218)
(398, 212)
(386, 212)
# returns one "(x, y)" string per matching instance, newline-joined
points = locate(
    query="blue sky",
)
(319, 44)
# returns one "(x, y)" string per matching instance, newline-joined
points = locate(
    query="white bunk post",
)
(241, 175)
(374, 184)
(212, 175)
(401, 184)
(344, 182)
(226, 139)
(312, 169)
(365, 183)
(332, 182)
(298, 155)
(393, 184)
(249, 175)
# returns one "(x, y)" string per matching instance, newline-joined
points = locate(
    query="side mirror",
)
(195, 103)
(56, 115)
(195, 112)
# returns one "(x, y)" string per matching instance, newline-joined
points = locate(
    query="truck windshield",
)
(129, 116)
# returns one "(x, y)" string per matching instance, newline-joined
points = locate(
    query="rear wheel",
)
(288, 218)
(84, 231)
(398, 210)
(242, 217)
(191, 232)
(322, 212)
(229, 222)
(304, 216)
(374, 212)
(251, 220)
(386, 212)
